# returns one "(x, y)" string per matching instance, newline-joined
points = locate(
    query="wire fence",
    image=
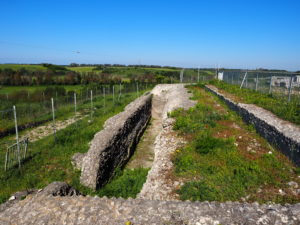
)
(195, 76)
(49, 110)
(34, 112)
(16, 154)
(56, 110)
(284, 85)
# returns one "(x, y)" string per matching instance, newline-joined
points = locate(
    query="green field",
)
(12, 89)
(106, 73)
(50, 161)
(81, 68)
(20, 66)
(34, 108)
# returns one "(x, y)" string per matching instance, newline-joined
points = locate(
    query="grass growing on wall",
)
(50, 162)
(218, 167)
(278, 105)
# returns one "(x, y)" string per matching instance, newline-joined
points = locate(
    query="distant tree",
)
(23, 71)
(74, 65)
(70, 78)
(16, 78)
(54, 68)
(48, 78)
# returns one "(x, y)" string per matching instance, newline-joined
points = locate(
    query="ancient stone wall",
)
(60, 204)
(281, 134)
(113, 146)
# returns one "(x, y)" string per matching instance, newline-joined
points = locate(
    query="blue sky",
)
(233, 34)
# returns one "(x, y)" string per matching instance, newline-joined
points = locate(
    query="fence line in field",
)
(283, 84)
(16, 153)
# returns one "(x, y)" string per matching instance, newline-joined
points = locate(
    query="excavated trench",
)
(159, 141)
(55, 205)
(144, 153)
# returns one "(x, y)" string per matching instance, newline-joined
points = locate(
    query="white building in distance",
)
(282, 81)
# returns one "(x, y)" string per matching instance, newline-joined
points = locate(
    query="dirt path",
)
(166, 98)
(42, 131)
(144, 153)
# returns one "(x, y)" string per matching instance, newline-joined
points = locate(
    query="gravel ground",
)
(54, 205)
(45, 130)
(159, 185)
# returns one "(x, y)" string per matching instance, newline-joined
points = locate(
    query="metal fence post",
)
(120, 91)
(114, 93)
(53, 117)
(181, 75)
(256, 83)
(290, 88)
(17, 135)
(198, 78)
(75, 103)
(91, 104)
(243, 80)
(104, 97)
(270, 88)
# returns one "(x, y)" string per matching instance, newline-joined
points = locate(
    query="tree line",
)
(122, 65)
(24, 77)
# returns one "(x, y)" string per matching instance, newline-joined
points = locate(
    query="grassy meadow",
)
(12, 89)
(225, 159)
(49, 161)
(20, 66)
